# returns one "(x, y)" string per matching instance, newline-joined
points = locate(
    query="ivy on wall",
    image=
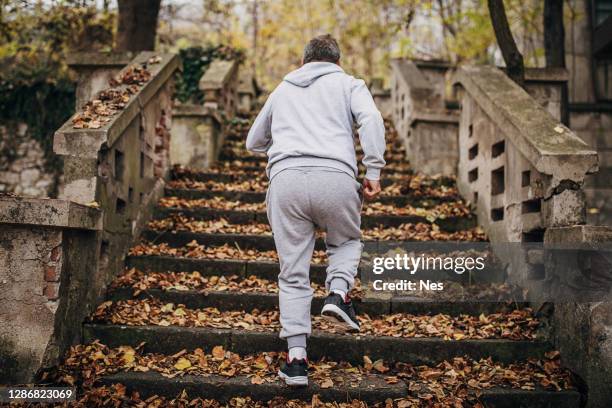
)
(42, 106)
(195, 62)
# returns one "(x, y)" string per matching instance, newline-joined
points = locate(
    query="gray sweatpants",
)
(298, 200)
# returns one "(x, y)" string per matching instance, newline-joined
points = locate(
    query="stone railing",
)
(522, 169)
(198, 130)
(69, 249)
(425, 109)
(121, 166)
(219, 85)
(427, 128)
(525, 174)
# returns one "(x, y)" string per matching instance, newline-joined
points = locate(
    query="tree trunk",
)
(554, 45)
(255, 19)
(514, 59)
(554, 34)
(137, 25)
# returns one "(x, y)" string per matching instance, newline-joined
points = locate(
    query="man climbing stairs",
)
(194, 318)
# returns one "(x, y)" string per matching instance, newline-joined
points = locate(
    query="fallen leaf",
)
(182, 364)
(327, 383)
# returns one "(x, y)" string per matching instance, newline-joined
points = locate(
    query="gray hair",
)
(322, 48)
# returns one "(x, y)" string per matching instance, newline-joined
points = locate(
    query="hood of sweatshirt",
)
(308, 73)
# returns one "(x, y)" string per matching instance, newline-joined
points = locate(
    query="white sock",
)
(340, 292)
(298, 353)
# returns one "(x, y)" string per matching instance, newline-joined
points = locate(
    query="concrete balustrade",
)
(198, 130)
(427, 128)
(525, 172)
(59, 255)
(219, 85)
(522, 169)
(425, 109)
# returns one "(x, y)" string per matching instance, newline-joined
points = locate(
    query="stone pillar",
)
(432, 143)
(196, 136)
(48, 257)
(94, 70)
(247, 91)
(219, 85)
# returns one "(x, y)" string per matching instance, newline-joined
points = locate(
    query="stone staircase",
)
(194, 318)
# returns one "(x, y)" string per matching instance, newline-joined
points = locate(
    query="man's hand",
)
(371, 189)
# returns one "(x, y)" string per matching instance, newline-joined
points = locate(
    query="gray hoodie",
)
(308, 121)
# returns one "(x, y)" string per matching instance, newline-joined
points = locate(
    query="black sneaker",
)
(294, 373)
(341, 312)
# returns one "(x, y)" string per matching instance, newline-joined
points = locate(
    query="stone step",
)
(242, 176)
(371, 390)
(237, 169)
(243, 156)
(350, 348)
(258, 197)
(236, 300)
(210, 267)
(244, 241)
(450, 224)
(266, 269)
(247, 158)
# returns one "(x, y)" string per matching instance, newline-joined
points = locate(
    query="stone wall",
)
(116, 168)
(23, 172)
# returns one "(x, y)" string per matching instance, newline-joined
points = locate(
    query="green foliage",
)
(195, 62)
